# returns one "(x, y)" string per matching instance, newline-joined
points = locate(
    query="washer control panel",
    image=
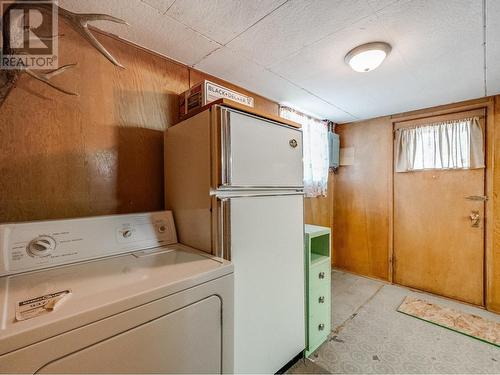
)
(36, 245)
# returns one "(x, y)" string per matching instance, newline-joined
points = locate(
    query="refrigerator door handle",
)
(223, 249)
(224, 195)
(226, 162)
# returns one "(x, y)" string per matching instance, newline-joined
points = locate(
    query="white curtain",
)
(315, 142)
(456, 144)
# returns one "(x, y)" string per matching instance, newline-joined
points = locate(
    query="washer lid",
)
(97, 289)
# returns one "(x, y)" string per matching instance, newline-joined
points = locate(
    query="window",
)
(456, 144)
(316, 157)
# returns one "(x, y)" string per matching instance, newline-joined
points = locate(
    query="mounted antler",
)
(45, 77)
(78, 21)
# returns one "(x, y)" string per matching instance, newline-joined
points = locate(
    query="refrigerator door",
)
(259, 153)
(263, 237)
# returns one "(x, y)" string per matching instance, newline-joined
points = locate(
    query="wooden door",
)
(436, 246)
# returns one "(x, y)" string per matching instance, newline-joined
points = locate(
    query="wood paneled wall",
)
(362, 199)
(493, 256)
(362, 205)
(98, 153)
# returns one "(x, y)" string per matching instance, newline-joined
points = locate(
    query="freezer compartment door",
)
(263, 237)
(259, 153)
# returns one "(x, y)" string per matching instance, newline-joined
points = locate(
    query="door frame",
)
(488, 104)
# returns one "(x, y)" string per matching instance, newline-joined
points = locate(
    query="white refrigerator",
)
(234, 181)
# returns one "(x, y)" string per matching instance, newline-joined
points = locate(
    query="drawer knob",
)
(321, 327)
(321, 275)
(293, 143)
(321, 299)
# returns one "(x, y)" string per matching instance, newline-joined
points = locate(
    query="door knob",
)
(475, 218)
(321, 275)
(321, 327)
(321, 299)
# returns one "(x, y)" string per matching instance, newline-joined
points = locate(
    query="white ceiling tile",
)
(422, 70)
(493, 46)
(231, 66)
(296, 24)
(221, 20)
(427, 30)
(321, 69)
(380, 4)
(441, 43)
(160, 5)
(315, 106)
(295, 54)
(148, 28)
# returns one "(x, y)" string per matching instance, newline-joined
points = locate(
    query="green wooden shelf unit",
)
(318, 285)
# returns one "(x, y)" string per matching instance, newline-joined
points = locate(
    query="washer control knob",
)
(41, 246)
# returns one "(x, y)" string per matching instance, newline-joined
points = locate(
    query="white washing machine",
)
(112, 294)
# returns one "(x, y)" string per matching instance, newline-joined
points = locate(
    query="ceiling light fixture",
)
(367, 57)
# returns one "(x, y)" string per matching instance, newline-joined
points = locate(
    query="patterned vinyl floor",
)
(370, 336)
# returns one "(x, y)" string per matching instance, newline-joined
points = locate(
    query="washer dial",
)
(41, 246)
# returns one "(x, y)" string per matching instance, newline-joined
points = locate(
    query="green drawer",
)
(319, 275)
(319, 329)
(319, 315)
(317, 251)
(319, 300)
(319, 311)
